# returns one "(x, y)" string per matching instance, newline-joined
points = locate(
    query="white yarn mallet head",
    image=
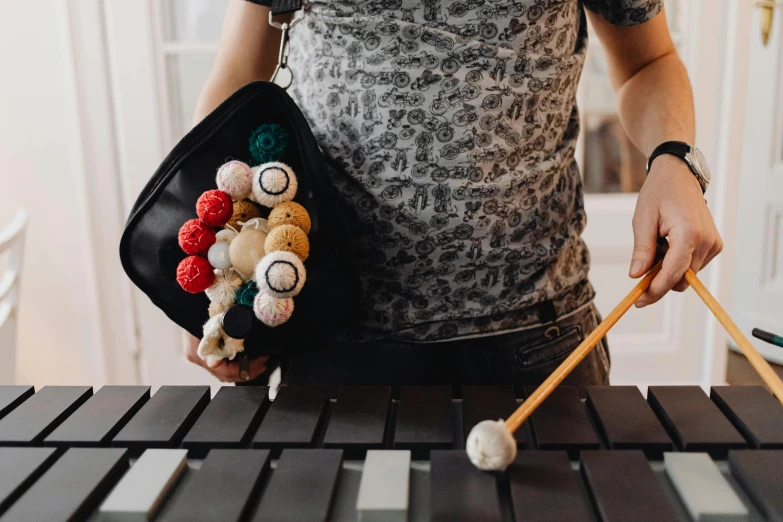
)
(226, 235)
(216, 343)
(280, 274)
(272, 311)
(235, 179)
(273, 183)
(490, 446)
(223, 290)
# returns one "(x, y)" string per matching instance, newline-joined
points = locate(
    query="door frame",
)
(116, 360)
(731, 73)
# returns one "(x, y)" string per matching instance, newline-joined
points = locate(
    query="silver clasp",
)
(283, 76)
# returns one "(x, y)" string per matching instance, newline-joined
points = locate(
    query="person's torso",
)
(451, 128)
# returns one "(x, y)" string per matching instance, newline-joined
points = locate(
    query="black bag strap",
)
(279, 7)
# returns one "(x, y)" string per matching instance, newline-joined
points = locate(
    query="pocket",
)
(556, 343)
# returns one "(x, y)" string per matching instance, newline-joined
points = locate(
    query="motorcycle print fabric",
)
(449, 128)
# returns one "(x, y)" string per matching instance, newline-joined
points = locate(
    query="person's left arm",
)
(656, 105)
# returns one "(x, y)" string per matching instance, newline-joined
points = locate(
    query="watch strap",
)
(675, 148)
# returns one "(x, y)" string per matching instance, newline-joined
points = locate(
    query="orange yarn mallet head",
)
(290, 213)
(288, 238)
(243, 211)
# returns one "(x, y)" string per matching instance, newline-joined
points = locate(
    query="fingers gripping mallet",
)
(490, 444)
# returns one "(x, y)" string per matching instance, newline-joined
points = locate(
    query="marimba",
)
(67, 453)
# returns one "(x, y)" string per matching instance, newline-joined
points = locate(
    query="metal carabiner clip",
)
(283, 76)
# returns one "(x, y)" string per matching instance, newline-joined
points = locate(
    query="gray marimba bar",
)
(703, 489)
(139, 495)
(384, 491)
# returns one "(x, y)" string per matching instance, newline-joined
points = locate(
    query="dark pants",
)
(523, 358)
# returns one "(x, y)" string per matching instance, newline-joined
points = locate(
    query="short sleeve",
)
(625, 12)
(279, 7)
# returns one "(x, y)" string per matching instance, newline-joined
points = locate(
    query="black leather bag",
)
(150, 252)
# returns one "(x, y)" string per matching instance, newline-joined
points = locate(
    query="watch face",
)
(700, 163)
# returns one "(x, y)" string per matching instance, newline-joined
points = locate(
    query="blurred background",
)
(95, 92)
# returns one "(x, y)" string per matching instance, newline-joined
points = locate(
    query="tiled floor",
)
(740, 371)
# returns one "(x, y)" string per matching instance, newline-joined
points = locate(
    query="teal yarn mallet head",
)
(267, 143)
(246, 294)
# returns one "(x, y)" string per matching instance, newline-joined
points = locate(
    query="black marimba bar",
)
(625, 421)
(693, 421)
(294, 420)
(229, 421)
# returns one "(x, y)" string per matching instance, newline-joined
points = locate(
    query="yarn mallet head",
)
(491, 446)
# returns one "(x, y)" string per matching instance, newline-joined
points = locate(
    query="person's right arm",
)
(247, 52)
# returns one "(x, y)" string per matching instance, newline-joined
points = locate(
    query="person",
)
(449, 128)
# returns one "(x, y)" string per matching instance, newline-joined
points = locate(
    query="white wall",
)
(40, 169)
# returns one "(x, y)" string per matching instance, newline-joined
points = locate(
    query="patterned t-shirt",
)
(450, 128)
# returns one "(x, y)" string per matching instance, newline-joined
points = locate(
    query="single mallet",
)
(490, 444)
(761, 366)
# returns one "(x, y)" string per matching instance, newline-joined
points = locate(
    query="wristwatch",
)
(690, 155)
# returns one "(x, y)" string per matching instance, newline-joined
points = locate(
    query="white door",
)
(758, 281)
(160, 52)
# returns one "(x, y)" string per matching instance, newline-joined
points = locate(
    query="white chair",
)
(12, 246)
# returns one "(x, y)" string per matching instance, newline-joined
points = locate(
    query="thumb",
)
(213, 362)
(645, 235)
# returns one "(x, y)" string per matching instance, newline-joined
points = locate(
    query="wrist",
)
(673, 170)
(686, 155)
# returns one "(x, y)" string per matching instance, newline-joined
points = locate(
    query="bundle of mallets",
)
(239, 259)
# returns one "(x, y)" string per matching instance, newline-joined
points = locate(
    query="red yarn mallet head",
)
(195, 274)
(195, 238)
(214, 208)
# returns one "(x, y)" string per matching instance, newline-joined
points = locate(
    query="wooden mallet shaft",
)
(542, 392)
(763, 368)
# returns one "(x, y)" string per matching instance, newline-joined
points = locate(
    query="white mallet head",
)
(491, 446)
